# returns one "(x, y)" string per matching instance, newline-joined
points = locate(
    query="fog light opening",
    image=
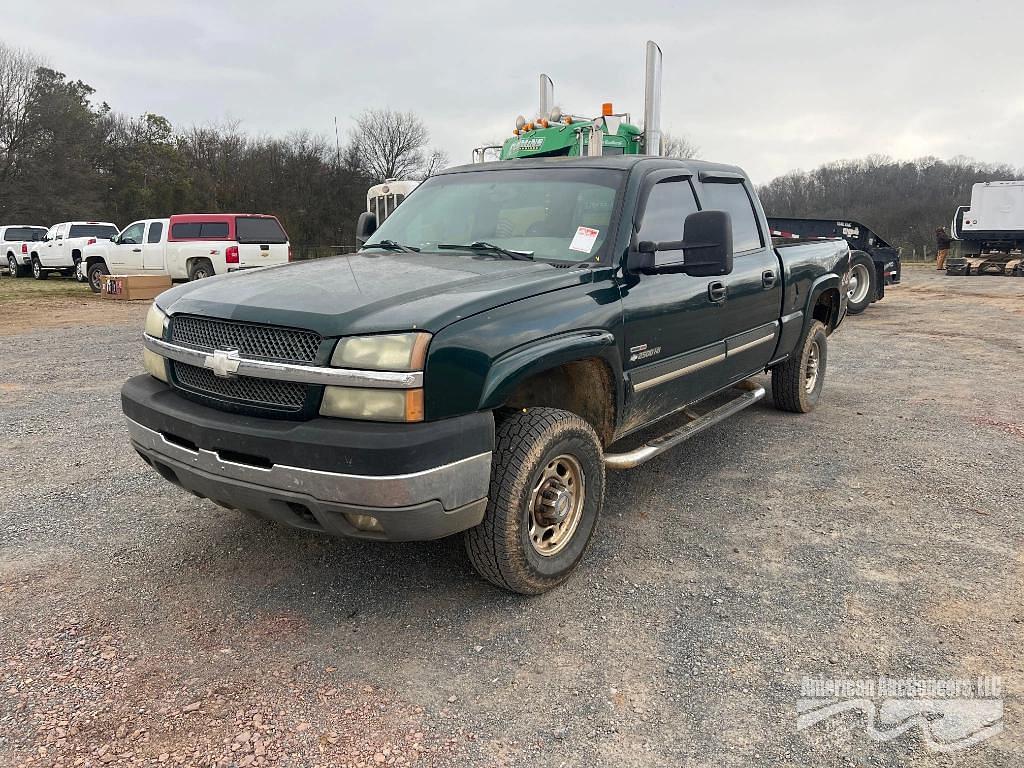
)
(367, 523)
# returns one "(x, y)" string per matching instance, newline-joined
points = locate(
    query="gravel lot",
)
(880, 535)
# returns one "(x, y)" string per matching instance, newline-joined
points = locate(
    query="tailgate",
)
(261, 241)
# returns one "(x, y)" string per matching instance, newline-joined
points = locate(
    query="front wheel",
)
(797, 383)
(862, 283)
(97, 271)
(37, 270)
(547, 490)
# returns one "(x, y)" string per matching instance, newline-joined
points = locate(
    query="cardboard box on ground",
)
(134, 287)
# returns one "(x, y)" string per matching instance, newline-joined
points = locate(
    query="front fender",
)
(517, 365)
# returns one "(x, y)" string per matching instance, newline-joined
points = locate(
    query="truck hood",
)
(370, 292)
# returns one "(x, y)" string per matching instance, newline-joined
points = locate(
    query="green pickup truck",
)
(512, 330)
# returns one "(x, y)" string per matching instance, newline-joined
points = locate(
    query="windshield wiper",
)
(391, 245)
(480, 245)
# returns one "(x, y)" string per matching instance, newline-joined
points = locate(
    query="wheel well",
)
(76, 254)
(583, 387)
(826, 308)
(94, 259)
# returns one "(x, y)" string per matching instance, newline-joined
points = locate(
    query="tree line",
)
(903, 201)
(63, 156)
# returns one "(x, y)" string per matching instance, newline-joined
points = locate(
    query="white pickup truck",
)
(60, 249)
(188, 247)
(17, 240)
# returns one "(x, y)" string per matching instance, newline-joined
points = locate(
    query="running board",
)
(661, 444)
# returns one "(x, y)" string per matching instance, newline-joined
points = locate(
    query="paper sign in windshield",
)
(584, 239)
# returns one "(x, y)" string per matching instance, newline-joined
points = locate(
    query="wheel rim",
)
(94, 279)
(812, 367)
(12, 265)
(36, 269)
(556, 505)
(860, 283)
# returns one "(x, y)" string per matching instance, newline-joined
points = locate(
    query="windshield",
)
(24, 233)
(92, 230)
(556, 214)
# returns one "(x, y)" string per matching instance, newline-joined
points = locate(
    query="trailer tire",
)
(797, 383)
(96, 272)
(37, 270)
(199, 269)
(862, 276)
(546, 494)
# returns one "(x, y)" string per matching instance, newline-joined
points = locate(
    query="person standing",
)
(942, 243)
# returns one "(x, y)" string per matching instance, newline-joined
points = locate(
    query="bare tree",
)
(678, 146)
(17, 72)
(386, 144)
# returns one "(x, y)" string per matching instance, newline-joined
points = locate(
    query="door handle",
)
(716, 292)
(768, 278)
(136, 250)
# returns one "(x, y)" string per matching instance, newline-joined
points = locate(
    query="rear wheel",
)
(200, 269)
(797, 383)
(13, 266)
(96, 271)
(547, 490)
(37, 270)
(862, 283)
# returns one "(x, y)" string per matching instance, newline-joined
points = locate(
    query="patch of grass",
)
(25, 288)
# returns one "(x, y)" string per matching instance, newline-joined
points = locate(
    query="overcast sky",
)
(766, 84)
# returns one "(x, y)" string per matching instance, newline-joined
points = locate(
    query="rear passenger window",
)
(733, 199)
(667, 208)
(155, 230)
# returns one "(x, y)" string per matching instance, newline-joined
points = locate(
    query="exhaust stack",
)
(547, 96)
(652, 100)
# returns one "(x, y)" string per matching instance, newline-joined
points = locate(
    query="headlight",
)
(373, 404)
(386, 352)
(155, 320)
(154, 365)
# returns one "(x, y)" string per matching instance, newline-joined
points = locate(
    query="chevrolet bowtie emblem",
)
(223, 363)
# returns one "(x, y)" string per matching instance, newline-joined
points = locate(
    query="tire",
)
(37, 270)
(80, 273)
(862, 279)
(13, 266)
(199, 269)
(793, 388)
(96, 271)
(541, 455)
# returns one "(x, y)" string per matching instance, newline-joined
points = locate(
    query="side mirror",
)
(365, 227)
(706, 247)
(113, 238)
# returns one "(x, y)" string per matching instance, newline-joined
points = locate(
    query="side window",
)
(213, 229)
(50, 233)
(156, 229)
(132, 235)
(733, 199)
(59, 232)
(667, 208)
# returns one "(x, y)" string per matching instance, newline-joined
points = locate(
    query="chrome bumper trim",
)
(300, 374)
(454, 485)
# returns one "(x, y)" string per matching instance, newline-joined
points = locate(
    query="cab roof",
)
(612, 162)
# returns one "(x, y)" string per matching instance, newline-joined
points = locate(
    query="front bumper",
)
(418, 481)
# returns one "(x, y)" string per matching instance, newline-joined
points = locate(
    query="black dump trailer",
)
(874, 263)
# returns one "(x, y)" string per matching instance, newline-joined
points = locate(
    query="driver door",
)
(675, 345)
(126, 254)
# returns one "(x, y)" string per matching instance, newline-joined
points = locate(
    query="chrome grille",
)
(281, 395)
(260, 341)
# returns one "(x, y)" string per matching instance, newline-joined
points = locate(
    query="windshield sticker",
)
(584, 240)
